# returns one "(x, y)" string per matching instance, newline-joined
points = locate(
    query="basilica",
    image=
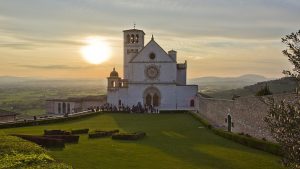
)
(152, 77)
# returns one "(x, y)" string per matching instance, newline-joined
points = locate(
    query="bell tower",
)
(133, 44)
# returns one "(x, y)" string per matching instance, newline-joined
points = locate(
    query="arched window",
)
(155, 100)
(120, 102)
(64, 108)
(148, 100)
(192, 103)
(113, 84)
(59, 108)
(68, 108)
(128, 38)
(132, 38)
(136, 38)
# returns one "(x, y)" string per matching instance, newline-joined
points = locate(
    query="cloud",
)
(58, 67)
(22, 46)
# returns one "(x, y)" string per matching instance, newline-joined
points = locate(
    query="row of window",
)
(113, 84)
(132, 38)
(64, 108)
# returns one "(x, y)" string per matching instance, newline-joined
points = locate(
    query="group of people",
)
(139, 108)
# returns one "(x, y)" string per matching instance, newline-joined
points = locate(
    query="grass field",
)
(174, 141)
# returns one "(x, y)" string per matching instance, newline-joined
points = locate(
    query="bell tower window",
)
(132, 38)
(136, 38)
(128, 38)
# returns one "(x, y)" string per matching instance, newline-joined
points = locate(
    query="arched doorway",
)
(192, 103)
(152, 97)
(229, 123)
(155, 100)
(148, 99)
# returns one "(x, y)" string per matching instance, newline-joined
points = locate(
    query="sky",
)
(43, 38)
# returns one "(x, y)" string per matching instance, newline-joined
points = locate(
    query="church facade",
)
(151, 77)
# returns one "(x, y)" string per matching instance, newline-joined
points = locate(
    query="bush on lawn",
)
(128, 136)
(66, 138)
(250, 141)
(100, 133)
(43, 141)
(56, 132)
(80, 131)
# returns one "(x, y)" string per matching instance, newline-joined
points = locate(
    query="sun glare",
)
(96, 50)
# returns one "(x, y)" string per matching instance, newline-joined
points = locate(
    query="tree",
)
(283, 118)
(284, 122)
(292, 42)
(264, 91)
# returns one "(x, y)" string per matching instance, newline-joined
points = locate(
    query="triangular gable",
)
(152, 47)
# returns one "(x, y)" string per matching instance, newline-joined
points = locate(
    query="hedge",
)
(100, 133)
(43, 141)
(171, 111)
(80, 131)
(65, 138)
(244, 140)
(46, 121)
(56, 132)
(129, 136)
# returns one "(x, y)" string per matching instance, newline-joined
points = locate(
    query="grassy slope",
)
(174, 141)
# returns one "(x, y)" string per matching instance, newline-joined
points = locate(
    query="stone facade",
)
(7, 116)
(73, 105)
(245, 114)
(152, 77)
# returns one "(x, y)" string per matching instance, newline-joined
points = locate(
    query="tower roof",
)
(114, 73)
(134, 30)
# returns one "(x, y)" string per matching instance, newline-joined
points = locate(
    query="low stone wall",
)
(247, 113)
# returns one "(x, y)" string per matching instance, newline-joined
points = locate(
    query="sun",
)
(96, 50)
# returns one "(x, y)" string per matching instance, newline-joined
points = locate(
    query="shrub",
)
(100, 133)
(110, 132)
(43, 141)
(97, 135)
(250, 141)
(129, 136)
(80, 131)
(264, 91)
(56, 132)
(66, 138)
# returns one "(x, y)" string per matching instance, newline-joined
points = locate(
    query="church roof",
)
(151, 41)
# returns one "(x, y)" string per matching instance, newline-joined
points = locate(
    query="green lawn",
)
(174, 141)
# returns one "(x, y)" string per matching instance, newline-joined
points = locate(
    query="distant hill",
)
(19, 82)
(215, 84)
(282, 85)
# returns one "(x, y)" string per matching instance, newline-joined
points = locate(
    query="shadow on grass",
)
(181, 138)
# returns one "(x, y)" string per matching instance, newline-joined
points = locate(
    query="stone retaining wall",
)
(247, 113)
